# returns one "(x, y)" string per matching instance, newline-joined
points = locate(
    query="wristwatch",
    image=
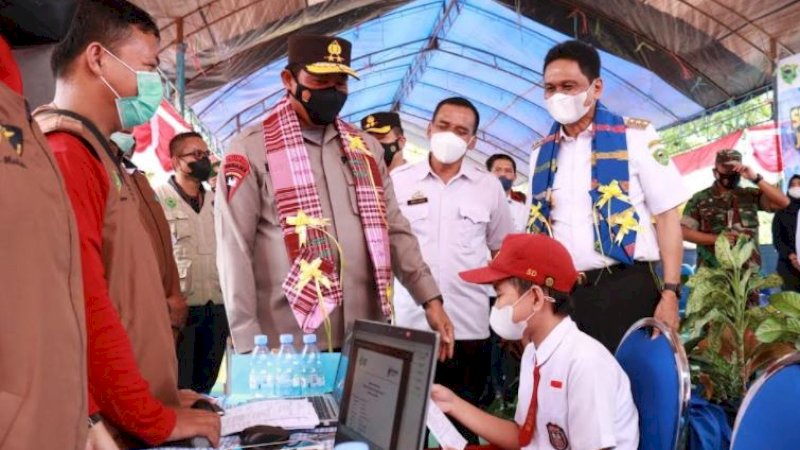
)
(758, 179)
(94, 419)
(674, 287)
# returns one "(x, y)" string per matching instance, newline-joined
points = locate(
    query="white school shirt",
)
(654, 189)
(456, 224)
(584, 395)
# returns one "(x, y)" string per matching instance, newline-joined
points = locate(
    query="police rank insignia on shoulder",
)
(558, 439)
(14, 137)
(234, 169)
(659, 152)
(639, 124)
(171, 202)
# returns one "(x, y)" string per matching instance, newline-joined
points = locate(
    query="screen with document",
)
(387, 386)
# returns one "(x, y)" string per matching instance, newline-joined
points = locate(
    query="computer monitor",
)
(387, 386)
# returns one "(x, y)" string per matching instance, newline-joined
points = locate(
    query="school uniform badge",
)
(558, 439)
(234, 169)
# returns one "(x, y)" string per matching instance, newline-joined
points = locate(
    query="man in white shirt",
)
(572, 392)
(603, 186)
(505, 169)
(459, 214)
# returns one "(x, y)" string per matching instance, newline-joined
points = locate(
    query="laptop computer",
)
(387, 386)
(327, 404)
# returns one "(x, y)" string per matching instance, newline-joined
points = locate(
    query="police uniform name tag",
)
(417, 199)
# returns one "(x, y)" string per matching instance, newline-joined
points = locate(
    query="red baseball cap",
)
(534, 257)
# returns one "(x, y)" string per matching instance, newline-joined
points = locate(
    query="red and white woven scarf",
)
(313, 286)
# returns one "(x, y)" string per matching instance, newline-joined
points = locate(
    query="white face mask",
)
(502, 321)
(794, 192)
(447, 148)
(568, 109)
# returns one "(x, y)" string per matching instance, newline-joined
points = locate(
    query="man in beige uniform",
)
(190, 213)
(253, 242)
(42, 334)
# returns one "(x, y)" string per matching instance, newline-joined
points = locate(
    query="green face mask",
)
(124, 141)
(137, 110)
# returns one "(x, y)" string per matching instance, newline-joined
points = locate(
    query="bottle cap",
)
(309, 339)
(287, 339)
(260, 339)
(352, 446)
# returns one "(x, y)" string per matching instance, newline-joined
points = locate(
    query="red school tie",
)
(529, 427)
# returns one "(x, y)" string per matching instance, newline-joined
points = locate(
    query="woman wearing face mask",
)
(586, 393)
(784, 238)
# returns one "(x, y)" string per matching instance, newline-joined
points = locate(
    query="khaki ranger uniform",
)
(43, 394)
(195, 248)
(252, 256)
(156, 223)
(131, 268)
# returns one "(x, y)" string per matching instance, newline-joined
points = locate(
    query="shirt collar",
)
(320, 135)
(562, 135)
(554, 339)
(468, 170)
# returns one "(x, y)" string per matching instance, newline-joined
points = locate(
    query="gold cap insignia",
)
(334, 52)
(370, 122)
(549, 281)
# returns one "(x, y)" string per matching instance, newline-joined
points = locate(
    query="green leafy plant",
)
(730, 337)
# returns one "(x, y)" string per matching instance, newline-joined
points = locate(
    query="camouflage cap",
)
(728, 155)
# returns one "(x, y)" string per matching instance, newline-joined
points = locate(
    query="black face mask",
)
(389, 150)
(200, 170)
(323, 105)
(729, 180)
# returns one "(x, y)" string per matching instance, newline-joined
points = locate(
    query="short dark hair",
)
(459, 101)
(178, 139)
(582, 53)
(563, 304)
(294, 68)
(500, 156)
(105, 21)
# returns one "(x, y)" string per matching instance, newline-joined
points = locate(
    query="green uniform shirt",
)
(715, 211)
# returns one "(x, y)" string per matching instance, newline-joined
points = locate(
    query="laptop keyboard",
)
(325, 410)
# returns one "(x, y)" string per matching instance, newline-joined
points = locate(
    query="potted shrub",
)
(730, 336)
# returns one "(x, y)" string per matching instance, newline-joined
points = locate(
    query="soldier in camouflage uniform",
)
(726, 208)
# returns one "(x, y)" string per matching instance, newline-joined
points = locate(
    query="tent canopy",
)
(664, 60)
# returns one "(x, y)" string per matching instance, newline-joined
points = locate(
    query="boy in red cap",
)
(585, 396)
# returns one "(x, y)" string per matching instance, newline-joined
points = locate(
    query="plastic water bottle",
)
(260, 379)
(312, 366)
(288, 368)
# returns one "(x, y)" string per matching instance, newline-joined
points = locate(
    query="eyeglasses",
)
(197, 153)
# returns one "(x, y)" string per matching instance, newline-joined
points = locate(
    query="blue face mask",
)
(124, 141)
(141, 108)
(506, 182)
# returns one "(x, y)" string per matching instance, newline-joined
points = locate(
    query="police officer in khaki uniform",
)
(190, 213)
(292, 213)
(387, 128)
(42, 335)
(727, 208)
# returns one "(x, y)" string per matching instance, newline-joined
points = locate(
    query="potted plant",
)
(730, 336)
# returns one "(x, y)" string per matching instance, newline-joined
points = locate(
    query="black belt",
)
(591, 277)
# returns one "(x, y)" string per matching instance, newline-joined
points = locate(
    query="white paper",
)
(443, 430)
(294, 414)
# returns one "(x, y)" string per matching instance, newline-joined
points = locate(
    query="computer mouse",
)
(263, 434)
